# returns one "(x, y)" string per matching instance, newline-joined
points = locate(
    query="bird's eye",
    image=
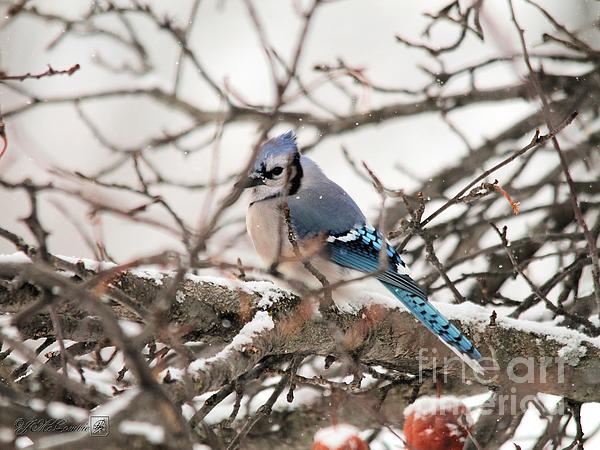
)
(277, 171)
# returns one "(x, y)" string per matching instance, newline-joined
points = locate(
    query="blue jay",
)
(332, 232)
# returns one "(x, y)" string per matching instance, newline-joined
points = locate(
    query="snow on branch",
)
(179, 360)
(210, 308)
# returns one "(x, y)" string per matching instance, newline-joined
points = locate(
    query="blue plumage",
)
(359, 249)
(315, 209)
(282, 145)
(319, 207)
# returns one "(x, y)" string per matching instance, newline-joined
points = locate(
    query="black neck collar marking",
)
(296, 180)
(269, 197)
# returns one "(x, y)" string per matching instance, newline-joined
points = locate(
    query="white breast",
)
(265, 225)
(268, 231)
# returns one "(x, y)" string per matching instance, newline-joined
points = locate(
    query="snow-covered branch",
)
(273, 325)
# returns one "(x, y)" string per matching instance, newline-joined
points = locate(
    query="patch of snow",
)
(314, 367)
(302, 396)
(130, 328)
(366, 299)
(187, 411)
(572, 340)
(174, 373)
(117, 404)
(23, 442)
(533, 424)
(155, 434)
(572, 353)
(223, 410)
(336, 436)
(60, 440)
(200, 447)
(268, 291)
(219, 281)
(15, 258)
(6, 434)
(387, 438)
(179, 297)
(37, 405)
(102, 380)
(478, 316)
(148, 273)
(455, 430)
(25, 375)
(7, 328)
(89, 264)
(107, 352)
(429, 405)
(59, 410)
(260, 322)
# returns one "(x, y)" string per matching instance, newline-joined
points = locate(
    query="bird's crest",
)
(279, 148)
(280, 145)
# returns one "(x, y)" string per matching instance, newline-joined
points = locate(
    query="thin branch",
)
(535, 82)
(48, 73)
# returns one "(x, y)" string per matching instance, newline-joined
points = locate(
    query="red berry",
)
(436, 424)
(339, 437)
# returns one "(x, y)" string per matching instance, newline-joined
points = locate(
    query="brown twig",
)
(48, 73)
(591, 240)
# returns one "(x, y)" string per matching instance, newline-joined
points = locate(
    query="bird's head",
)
(277, 170)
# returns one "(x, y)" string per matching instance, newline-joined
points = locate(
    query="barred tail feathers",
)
(438, 325)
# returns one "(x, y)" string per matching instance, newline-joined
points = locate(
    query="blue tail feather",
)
(429, 316)
(359, 249)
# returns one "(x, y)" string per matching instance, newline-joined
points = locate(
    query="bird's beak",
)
(249, 181)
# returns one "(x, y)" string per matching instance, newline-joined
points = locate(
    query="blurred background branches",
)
(124, 126)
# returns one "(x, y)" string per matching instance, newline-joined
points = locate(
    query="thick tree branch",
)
(212, 314)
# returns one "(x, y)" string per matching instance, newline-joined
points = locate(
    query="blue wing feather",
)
(359, 249)
(322, 207)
